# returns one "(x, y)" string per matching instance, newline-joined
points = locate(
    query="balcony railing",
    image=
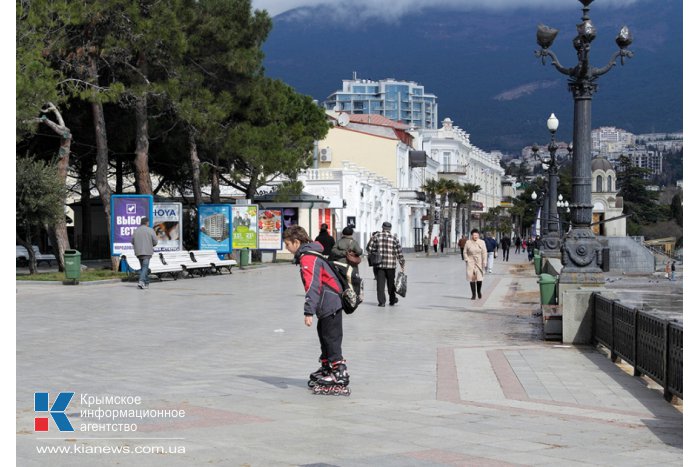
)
(453, 169)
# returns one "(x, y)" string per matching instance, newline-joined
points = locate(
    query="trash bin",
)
(245, 257)
(71, 259)
(548, 285)
(538, 264)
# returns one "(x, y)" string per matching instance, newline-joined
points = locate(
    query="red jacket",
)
(320, 283)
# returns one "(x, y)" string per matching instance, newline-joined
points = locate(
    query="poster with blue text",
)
(127, 211)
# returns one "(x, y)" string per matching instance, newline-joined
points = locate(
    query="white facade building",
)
(609, 140)
(371, 175)
(463, 162)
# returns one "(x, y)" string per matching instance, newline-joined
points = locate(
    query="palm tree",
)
(516, 213)
(443, 188)
(430, 188)
(470, 189)
(460, 199)
(450, 189)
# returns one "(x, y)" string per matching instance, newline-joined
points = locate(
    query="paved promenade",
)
(438, 380)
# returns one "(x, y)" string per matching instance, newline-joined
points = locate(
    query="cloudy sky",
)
(379, 9)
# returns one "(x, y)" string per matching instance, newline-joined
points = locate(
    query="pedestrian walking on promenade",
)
(387, 245)
(491, 248)
(505, 246)
(673, 271)
(426, 244)
(435, 243)
(475, 254)
(346, 243)
(668, 270)
(323, 300)
(325, 239)
(460, 244)
(144, 240)
(530, 246)
(518, 244)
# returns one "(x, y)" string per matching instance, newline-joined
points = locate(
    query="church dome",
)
(599, 163)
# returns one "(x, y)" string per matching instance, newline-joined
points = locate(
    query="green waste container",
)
(71, 259)
(244, 258)
(548, 285)
(538, 264)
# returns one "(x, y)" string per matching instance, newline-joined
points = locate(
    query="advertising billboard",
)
(167, 222)
(127, 211)
(245, 226)
(215, 227)
(270, 229)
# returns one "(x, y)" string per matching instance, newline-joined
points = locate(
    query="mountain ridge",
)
(482, 66)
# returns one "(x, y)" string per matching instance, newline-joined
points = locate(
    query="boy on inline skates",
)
(323, 300)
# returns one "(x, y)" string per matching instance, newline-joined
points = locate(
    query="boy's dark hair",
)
(475, 231)
(296, 232)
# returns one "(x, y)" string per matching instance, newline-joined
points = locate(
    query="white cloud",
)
(398, 8)
(524, 90)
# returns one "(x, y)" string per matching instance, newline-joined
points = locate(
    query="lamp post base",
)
(581, 255)
(551, 246)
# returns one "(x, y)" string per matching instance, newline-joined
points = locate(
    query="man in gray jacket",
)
(144, 240)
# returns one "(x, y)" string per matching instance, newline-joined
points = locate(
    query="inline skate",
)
(323, 370)
(335, 383)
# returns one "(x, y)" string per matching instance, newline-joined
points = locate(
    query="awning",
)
(417, 159)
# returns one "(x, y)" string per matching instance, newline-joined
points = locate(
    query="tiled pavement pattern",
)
(438, 380)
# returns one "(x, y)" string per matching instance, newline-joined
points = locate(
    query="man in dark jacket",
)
(144, 239)
(389, 249)
(323, 300)
(505, 246)
(325, 239)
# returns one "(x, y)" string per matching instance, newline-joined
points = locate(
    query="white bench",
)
(22, 256)
(210, 257)
(155, 266)
(184, 260)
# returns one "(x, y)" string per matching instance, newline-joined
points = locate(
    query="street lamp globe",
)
(533, 196)
(552, 123)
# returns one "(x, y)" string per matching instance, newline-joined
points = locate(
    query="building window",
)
(611, 188)
(599, 184)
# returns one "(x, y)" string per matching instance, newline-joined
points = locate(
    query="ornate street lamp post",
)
(581, 252)
(562, 205)
(541, 199)
(551, 243)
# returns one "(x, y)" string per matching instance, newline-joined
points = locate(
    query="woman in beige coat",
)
(476, 256)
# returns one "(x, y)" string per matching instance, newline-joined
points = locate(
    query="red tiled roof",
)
(379, 120)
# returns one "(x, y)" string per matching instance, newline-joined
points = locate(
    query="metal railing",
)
(453, 169)
(651, 344)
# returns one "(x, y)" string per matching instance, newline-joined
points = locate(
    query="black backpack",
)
(353, 288)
